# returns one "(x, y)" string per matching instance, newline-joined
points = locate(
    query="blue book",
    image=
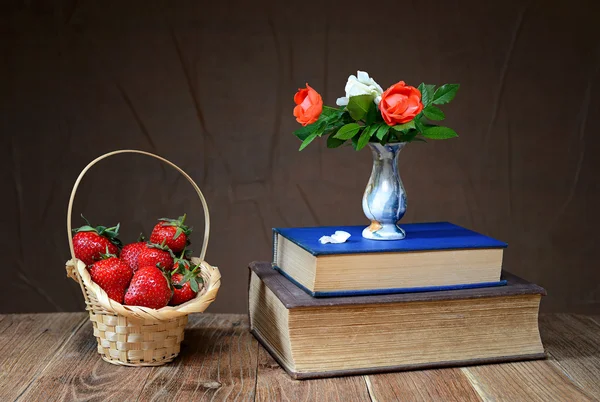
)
(433, 256)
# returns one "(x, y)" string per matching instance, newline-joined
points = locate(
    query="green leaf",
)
(445, 93)
(85, 228)
(364, 138)
(382, 131)
(178, 232)
(407, 137)
(434, 113)
(419, 139)
(385, 139)
(439, 133)
(358, 106)
(419, 124)
(304, 132)
(426, 93)
(308, 140)
(404, 127)
(348, 131)
(194, 285)
(333, 142)
(372, 114)
(354, 142)
(330, 111)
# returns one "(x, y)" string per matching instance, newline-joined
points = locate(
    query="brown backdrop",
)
(210, 87)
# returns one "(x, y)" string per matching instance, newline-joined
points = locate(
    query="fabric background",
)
(209, 85)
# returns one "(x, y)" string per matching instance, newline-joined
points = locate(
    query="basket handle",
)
(134, 151)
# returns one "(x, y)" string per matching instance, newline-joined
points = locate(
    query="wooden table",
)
(45, 357)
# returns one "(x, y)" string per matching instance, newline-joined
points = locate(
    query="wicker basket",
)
(140, 336)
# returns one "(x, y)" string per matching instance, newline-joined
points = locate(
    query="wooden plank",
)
(426, 385)
(27, 344)
(218, 362)
(77, 373)
(574, 342)
(274, 384)
(538, 380)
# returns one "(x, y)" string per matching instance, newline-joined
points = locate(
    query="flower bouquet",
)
(367, 113)
(384, 120)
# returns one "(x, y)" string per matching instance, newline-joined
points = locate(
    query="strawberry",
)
(186, 284)
(153, 254)
(131, 252)
(148, 288)
(173, 232)
(90, 242)
(113, 275)
(182, 262)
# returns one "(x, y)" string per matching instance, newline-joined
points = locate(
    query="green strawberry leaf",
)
(85, 228)
(178, 232)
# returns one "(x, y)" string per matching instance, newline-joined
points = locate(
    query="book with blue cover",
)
(433, 256)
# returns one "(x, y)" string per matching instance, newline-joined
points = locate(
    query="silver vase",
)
(384, 201)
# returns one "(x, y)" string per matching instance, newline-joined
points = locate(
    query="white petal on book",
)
(338, 237)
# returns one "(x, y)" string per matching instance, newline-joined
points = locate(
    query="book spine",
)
(275, 248)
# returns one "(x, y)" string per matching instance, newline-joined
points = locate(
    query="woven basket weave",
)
(132, 335)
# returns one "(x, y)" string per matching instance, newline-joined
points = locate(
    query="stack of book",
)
(437, 298)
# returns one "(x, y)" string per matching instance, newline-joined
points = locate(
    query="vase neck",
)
(388, 151)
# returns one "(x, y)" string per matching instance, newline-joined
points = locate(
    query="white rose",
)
(361, 85)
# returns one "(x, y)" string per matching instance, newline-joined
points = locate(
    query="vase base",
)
(384, 232)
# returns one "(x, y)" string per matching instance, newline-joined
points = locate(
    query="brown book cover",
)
(293, 297)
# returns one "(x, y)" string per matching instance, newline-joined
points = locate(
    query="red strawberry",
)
(154, 254)
(182, 262)
(113, 275)
(131, 252)
(186, 285)
(148, 288)
(173, 232)
(90, 243)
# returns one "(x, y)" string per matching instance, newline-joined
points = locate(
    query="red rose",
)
(400, 104)
(309, 105)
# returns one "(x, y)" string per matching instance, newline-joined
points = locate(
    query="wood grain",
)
(427, 385)
(218, 362)
(538, 380)
(574, 343)
(28, 343)
(275, 385)
(53, 357)
(77, 373)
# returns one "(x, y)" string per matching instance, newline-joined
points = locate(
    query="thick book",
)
(433, 256)
(324, 337)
